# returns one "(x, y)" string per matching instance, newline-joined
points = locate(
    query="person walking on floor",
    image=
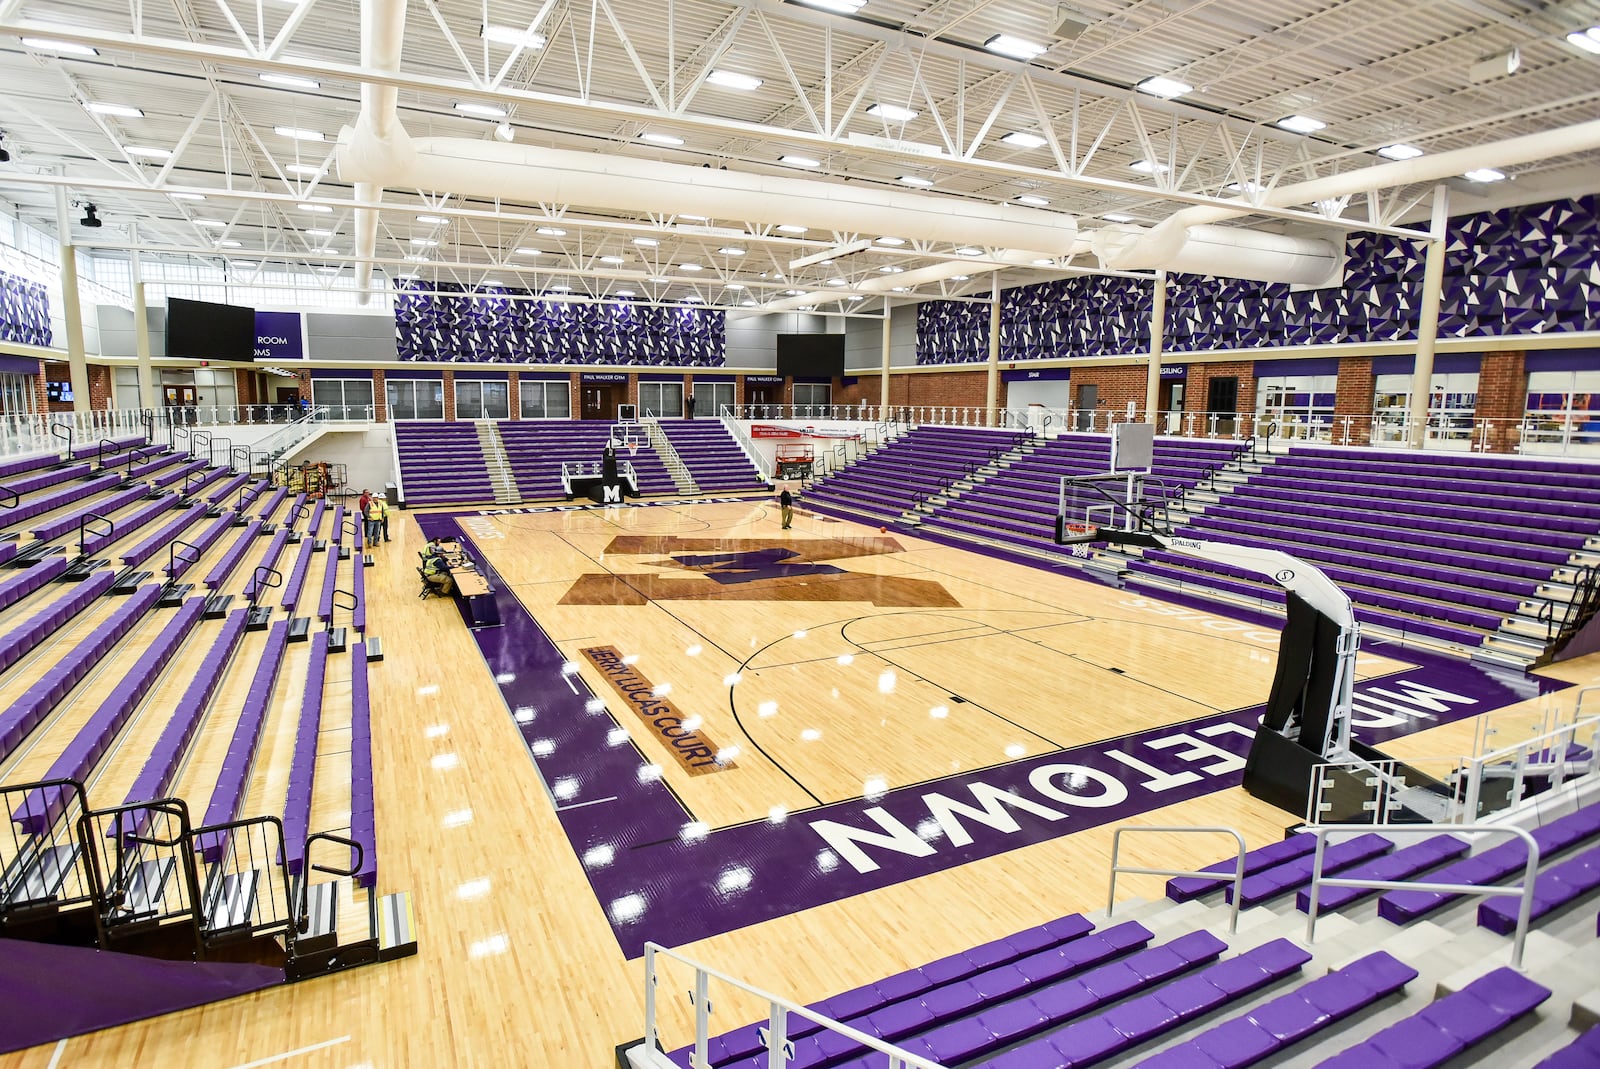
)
(786, 508)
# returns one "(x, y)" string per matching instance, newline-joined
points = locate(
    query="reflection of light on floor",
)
(598, 857)
(483, 948)
(777, 815)
(727, 754)
(524, 714)
(694, 831)
(1016, 749)
(542, 747)
(457, 818)
(694, 651)
(473, 889)
(886, 682)
(875, 787)
(649, 773)
(811, 734)
(564, 788)
(445, 761)
(939, 712)
(846, 659)
(731, 679)
(734, 880)
(827, 861)
(616, 736)
(767, 710)
(436, 730)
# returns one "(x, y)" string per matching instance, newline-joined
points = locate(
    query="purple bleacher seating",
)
(442, 462)
(314, 525)
(208, 476)
(58, 681)
(1581, 1053)
(358, 615)
(336, 535)
(303, 766)
(1093, 1039)
(77, 760)
(30, 579)
(274, 500)
(50, 477)
(1289, 1018)
(160, 768)
(714, 458)
(954, 968)
(1292, 875)
(8, 549)
(175, 477)
(164, 536)
(60, 497)
(1402, 864)
(146, 468)
(363, 820)
(121, 442)
(26, 464)
(126, 525)
(1553, 888)
(1497, 863)
(268, 559)
(536, 449)
(297, 575)
(1185, 888)
(236, 552)
(203, 542)
(233, 780)
(20, 641)
(1447, 1026)
(220, 494)
(103, 506)
(330, 580)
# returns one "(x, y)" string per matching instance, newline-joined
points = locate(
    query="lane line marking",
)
(292, 1053)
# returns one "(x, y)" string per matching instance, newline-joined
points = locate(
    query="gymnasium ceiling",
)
(214, 84)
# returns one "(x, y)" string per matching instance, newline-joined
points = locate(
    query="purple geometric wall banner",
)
(24, 311)
(1528, 270)
(488, 325)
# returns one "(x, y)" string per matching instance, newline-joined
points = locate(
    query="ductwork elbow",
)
(364, 155)
(1204, 249)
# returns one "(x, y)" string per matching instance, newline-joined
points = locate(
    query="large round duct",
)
(1231, 252)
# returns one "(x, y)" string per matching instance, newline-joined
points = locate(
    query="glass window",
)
(711, 397)
(1301, 406)
(663, 400)
(17, 394)
(811, 396)
(125, 387)
(344, 398)
(546, 400)
(482, 400)
(1452, 407)
(415, 398)
(1563, 411)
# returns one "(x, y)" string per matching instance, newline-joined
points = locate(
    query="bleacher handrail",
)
(1524, 890)
(780, 1010)
(1521, 753)
(1117, 867)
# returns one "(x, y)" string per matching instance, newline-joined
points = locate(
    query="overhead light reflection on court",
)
(800, 633)
(733, 880)
(767, 710)
(436, 730)
(693, 651)
(661, 690)
(483, 948)
(1015, 750)
(445, 761)
(457, 818)
(874, 788)
(928, 830)
(569, 668)
(727, 754)
(505, 677)
(811, 734)
(431, 688)
(617, 736)
(627, 908)
(731, 679)
(846, 659)
(542, 747)
(694, 831)
(473, 889)
(939, 712)
(649, 773)
(598, 857)
(564, 788)
(827, 861)
(594, 705)
(524, 714)
(777, 814)
(886, 682)
(694, 723)
(632, 658)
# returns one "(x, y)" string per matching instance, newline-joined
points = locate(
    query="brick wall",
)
(1199, 380)
(100, 391)
(99, 386)
(514, 395)
(1353, 401)
(1503, 397)
(1119, 386)
(449, 396)
(380, 397)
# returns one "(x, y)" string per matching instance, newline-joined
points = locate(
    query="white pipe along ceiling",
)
(1186, 240)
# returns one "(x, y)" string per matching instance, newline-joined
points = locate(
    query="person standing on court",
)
(383, 515)
(786, 507)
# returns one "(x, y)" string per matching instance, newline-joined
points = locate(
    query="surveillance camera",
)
(90, 219)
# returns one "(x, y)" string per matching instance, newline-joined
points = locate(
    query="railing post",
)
(1316, 887)
(702, 1017)
(650, 1040)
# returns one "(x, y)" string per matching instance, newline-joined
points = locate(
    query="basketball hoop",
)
(633, 448)
(1073, 533)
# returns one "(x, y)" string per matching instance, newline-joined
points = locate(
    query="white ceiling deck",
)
(600, 73)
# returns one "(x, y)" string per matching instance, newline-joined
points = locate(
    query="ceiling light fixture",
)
(432, 220)
(626, 293)
(425, 243)
(482, 111)
(511, 37)
(1485, 174)
(960, 278)
(1164, 87)
(1399, 152)
(1004, 44)
(215, 223)
(551, 232)
(612, 260)
(1499, 65)
(1148, 167)
(892, 242)
(321, 208)
(1300, 124)
(291, 81)
(690, 267)
(1023, 140)
(915, 180)
(648, 243)
(309, 170)
(526, 251)
(122, 111)
(319, 233)
(505, 132)
(734, 80)
(1588, 40)
(65, 48)
(799, 161)
(731, 250)
(1116, 217)
(660, 139)
(694, 218)
(968, 250)
(844, 7)
(148, 152)
(892, 113)
(230, 244)
(791, 228)
(1033, 201)
(187, 196)
(297, 134)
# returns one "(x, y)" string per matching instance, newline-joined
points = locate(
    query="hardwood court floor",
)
(519, 964)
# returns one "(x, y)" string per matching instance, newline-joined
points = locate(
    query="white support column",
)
(148, 396)
(991, 393)
(883, 383)
(1158, 330)
(1428, 320)
(71, 309)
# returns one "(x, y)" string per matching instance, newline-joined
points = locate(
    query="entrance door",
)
(599, 402)
(759, 397)
(179, 395)
(1088, 398)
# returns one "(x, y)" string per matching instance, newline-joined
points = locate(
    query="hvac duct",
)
(532, 174)
(1218, 250)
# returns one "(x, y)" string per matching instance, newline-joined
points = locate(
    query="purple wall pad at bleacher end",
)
(107, 989)
(662, 875)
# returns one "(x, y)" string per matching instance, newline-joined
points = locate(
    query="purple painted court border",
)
(662, 876)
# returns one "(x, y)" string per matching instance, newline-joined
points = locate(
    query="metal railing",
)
(1524, 890)
(1548, 755)
(1117, 867)
(780, 1010)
